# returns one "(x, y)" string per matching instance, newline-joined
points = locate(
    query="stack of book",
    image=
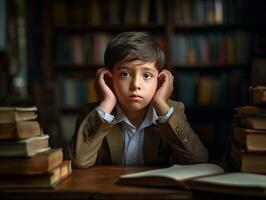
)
(248, 153)
(26, 159)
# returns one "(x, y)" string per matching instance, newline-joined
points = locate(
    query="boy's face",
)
(134, 83)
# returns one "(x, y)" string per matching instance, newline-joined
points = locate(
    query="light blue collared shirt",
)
(133, 137)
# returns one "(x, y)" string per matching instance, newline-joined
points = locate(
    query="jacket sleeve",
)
(89, 133)
(185, 144)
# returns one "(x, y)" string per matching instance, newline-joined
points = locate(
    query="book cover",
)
(258, 95)
(15, 114)
(248, 161)
(250, 110)
(40, 163)
(25, 147)
(253, 122)
(20, 130)
(253, 117)
(48, 180)
(250, 139)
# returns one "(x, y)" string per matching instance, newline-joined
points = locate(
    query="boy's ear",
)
(109, 80)
(160, 81)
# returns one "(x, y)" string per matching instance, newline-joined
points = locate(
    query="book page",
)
(235, 179)
(20, 109)
(180, 172)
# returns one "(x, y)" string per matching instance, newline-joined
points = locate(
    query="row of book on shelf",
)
(98, 12)
(220, 48)
(202, 12)
(73, 92)
(84, 48)
(27, 160)
(248, 152)
(208, 90)
(80, 49)
(145, 11)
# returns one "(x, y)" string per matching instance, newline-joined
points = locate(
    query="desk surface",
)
(99, 182)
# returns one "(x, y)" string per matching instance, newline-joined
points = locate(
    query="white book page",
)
(180, 172)
(236, 179)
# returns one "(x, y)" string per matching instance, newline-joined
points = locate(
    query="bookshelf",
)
(3, 62)
(3, 75)
(208, 46)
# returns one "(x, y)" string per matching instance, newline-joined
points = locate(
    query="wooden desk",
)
(99, 182)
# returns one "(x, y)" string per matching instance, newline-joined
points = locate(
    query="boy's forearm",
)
(88, 139)
(186, 145)
(107, 105)
(161, 107)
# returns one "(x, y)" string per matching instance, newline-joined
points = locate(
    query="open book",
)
(205, 176)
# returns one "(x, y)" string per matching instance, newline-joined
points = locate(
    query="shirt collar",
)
(149, 119)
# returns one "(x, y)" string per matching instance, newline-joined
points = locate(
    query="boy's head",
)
(130, 46)
(135, 61)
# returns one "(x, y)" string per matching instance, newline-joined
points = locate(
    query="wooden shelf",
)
(248, 26)
(71, 67)
(107, 28)
(212, 68)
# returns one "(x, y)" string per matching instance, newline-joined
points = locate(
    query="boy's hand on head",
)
(103, 85)
(164, 91)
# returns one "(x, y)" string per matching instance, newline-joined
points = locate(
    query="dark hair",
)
(134, 46)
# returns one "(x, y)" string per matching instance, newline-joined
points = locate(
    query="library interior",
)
(50, 51)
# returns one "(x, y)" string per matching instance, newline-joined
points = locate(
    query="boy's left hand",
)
(164, 91)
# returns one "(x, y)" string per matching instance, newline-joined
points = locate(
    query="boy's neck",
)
(135, 117)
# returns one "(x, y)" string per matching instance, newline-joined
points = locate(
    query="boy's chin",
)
(134, 107)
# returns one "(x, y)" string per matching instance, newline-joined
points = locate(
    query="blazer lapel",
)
(115, 141)
(151, 144)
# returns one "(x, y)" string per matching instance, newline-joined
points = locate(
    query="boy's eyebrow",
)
(123, 67)
(143, 68)
(149, 69)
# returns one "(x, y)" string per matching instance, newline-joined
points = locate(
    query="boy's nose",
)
(135, 84)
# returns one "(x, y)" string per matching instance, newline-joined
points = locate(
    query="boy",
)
(134, 123)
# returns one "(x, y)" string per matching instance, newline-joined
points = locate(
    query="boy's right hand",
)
(103, 85)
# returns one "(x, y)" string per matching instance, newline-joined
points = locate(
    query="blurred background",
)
(50, 51)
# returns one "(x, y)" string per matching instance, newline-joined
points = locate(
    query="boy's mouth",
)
(135, 96)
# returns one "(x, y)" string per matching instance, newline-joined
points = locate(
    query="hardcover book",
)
(248, 161)
(24, 148)
(20, 130)
(48, 180)
(15, 114)
(40, 163)
(250, 139)
(251, 117)
(258, 95)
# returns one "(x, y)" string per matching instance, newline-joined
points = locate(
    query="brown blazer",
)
(97, 141)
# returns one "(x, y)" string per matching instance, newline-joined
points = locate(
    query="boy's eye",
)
(147, 76)
(124, 74)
